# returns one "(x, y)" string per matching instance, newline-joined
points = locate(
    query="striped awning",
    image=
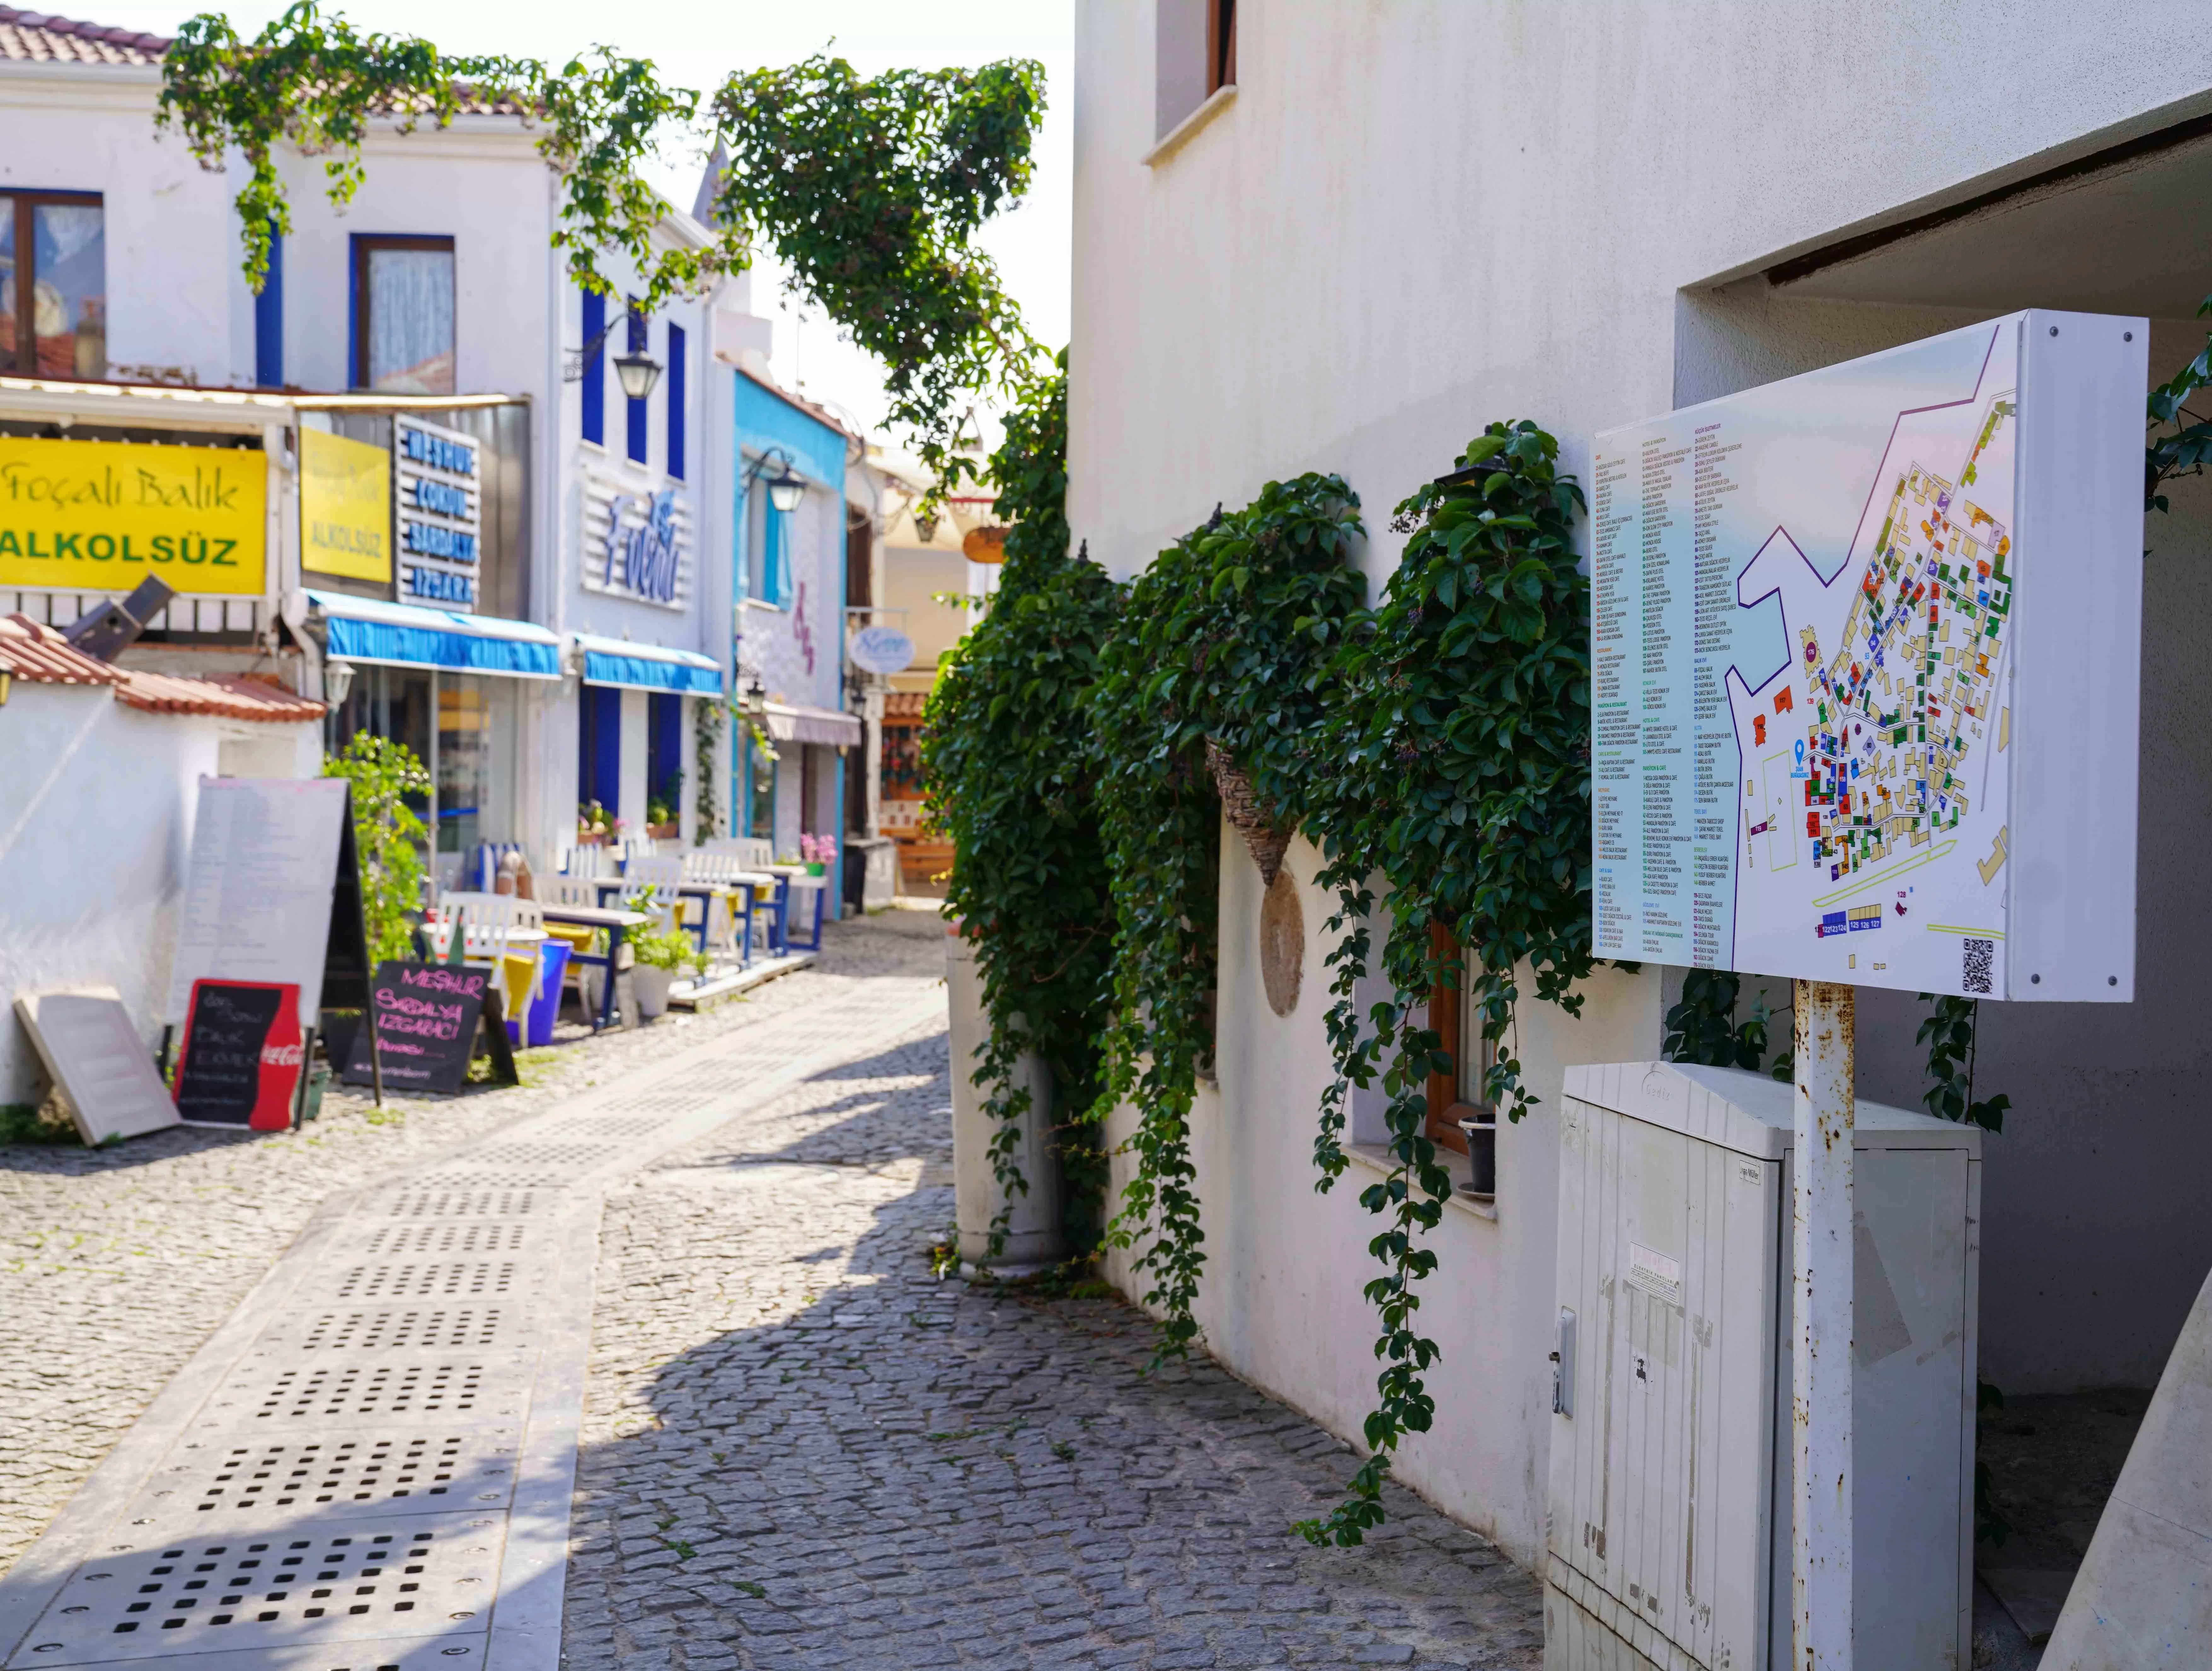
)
(368, 629)
(618, 661)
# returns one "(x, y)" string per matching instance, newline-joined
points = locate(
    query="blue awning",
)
(648, 666)
(368, 630)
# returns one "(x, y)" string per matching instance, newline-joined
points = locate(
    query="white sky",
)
(697, 45)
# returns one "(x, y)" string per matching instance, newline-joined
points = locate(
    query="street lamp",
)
(786, 487)
(637, 373)
(337, 680)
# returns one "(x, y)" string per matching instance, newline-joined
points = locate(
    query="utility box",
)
(1671, 1445)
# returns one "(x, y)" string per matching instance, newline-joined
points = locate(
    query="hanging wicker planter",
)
(1267, 840)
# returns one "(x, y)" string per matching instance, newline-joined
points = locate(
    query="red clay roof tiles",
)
(42, 38)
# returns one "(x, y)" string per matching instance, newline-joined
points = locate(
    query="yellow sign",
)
(346, 507)
(103, 515)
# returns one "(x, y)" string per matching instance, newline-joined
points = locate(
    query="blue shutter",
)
(677, 397)
(269, 318)
(779, 556)
(595, 369)
(634, 423)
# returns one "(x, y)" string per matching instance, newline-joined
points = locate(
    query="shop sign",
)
(437, 484)
(882, 650)
(103, 515)
(636, 544)
(346, 507)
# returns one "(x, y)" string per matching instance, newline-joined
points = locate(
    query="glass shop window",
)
(53, 285)
(403, 315)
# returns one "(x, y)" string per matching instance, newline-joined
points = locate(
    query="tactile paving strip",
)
(398, 1326)
(482, 1388)
(256, 1482)
(547, 1154)
(546, 1178)
(427, 1279)
(357, 1579)
(398, 1241)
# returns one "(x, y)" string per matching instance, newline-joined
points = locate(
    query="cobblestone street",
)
(800, 1446)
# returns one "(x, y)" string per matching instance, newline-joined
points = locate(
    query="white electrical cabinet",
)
(1671, 1445)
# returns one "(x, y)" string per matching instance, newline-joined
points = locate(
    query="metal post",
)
(1820, 1547)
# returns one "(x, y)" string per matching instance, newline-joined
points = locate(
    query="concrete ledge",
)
(719, 989)
(1184, 131)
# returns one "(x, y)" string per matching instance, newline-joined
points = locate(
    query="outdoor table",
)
(799, 879)
(616, 924)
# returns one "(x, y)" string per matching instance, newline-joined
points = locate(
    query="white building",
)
(1374, 230)
(562, 658)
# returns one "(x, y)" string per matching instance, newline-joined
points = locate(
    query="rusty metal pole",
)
(1821, 1547)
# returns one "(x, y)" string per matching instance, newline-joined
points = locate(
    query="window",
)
(634, 424)
(595, 392)
(598, 747)
(1457, 1093)
(464, 759)
(760, 791)
(768, 546)
(402, 314)
(53, 284)
(1220, 46)
(663, 750)
(677, 396)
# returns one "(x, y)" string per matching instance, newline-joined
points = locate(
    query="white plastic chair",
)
(487, 924)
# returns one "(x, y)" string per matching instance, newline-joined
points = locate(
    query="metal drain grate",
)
(473, 1238)
(509, 1178)
(545, 1154)
(226, 1593)
(441, 1279)
(257, 1483)
(394, 1328)
(460, 1202)
(620, 1125)
(256, 1392)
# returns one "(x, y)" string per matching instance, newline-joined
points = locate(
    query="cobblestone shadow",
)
(802, 1448)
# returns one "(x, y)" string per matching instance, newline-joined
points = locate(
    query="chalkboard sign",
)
(241, 1056)
(427, 1017)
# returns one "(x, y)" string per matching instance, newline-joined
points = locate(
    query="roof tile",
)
(28, 37)
(38, 655)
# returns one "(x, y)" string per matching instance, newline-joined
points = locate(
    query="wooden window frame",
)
(1447, 1010)
(21, 206)
(364, 301)
(1220, 46)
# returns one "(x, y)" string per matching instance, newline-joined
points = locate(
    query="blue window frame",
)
(269, 318)
(595, 371)
(677, 397)
(599, 747)
(634, 424)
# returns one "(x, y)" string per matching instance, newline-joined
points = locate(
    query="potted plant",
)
(1481, 1134)
(661, 953)
(819, 851)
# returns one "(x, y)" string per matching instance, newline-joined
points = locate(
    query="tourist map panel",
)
(1802, 655)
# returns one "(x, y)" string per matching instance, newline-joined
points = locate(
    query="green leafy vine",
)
(1007, 753)
(871, 189)
(1224, 639)
(389, 836)
(1460, 749)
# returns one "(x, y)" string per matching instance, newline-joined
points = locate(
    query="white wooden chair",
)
(488, 925)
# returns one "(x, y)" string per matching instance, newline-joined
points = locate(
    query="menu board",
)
(258, 888)
(1834, 737)
(242, 1056)
(425, 1018)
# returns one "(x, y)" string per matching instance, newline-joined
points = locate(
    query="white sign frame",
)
(84, 1036)
(880, 649)
(258, 886)
(2041, 854)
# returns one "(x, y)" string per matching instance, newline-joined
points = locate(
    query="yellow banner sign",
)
(103, 515)
(346, 507)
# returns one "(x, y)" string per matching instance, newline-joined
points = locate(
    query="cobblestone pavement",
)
(801, 1449)
(116, 1264)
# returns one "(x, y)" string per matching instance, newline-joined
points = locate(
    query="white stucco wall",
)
(1414, 220)
(93, 844)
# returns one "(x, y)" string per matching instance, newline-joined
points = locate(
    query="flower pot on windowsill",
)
(665, 832)
(591, 838)
(1482, 1155)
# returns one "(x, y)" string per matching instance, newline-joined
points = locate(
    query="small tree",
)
(387, 834)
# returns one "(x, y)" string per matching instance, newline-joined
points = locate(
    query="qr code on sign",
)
(1980, 958)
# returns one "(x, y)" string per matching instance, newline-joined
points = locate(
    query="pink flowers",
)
(818, 849)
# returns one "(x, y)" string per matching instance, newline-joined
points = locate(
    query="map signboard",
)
(1865, 654)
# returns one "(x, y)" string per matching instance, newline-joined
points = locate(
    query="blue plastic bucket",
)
(552, 966)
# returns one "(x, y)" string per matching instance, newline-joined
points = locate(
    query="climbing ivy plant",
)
(1008, 759)
(871, 188)
(872, 191)
(1225, 637)
(390, 838)
(1458, 756)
